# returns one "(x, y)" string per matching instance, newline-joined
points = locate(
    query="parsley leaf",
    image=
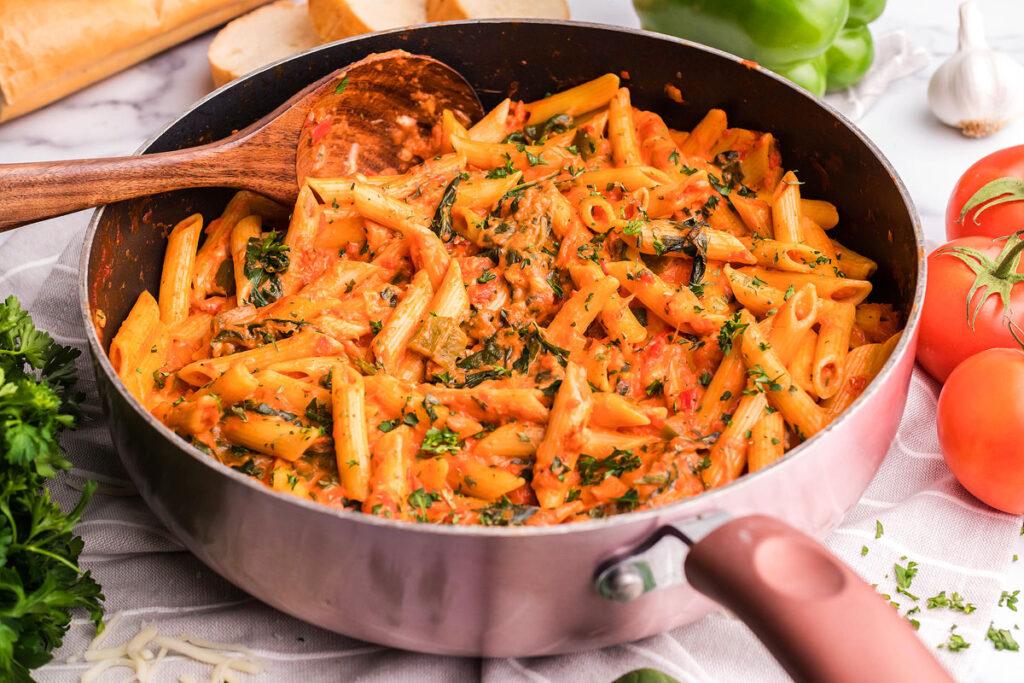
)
(40, 582)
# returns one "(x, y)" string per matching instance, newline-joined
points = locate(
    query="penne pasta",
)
(566, 311)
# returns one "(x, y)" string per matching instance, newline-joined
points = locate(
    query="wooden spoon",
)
(371, 116)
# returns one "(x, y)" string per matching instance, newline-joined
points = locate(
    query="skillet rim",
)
(700, 503)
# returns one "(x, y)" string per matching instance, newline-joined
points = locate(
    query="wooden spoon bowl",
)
(375, 115)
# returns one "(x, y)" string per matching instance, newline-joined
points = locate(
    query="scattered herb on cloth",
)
(40, 581)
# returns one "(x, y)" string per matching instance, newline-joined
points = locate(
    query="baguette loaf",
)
(450, 10)
(337, 19)
(50, 49)
(260, 37)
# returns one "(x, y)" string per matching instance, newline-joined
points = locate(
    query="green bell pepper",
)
(849, 57)
(818, 44)
(863, 12)
(811, 74)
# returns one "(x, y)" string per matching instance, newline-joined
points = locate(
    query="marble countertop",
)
(115, 116)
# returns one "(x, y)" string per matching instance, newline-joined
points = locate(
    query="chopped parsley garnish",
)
(595, 470)
(1001, 639)
(727, 334)
(439, 441)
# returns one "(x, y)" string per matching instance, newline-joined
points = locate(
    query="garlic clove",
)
(978, 90)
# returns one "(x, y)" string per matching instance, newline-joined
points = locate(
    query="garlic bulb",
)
(977, 90)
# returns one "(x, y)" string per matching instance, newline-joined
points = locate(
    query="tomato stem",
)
(1009, 257)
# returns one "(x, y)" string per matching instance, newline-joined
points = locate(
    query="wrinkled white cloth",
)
(896, 56)
(927, 518)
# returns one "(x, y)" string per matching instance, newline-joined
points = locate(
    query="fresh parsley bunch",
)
(40, 582)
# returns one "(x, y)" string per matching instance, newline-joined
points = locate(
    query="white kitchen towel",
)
(957, 544)
(896, 56)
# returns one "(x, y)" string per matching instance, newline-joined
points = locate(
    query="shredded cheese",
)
(230, 662)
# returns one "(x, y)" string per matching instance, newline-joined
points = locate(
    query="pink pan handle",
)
(815, 615)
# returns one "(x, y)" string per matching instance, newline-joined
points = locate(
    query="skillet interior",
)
(525, 60)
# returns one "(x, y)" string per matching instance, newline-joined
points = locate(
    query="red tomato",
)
(981, 422)
(957, 323)
(993, 220)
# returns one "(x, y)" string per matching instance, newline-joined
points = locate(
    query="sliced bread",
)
(337, 19)
(450, 10)
(260, 37)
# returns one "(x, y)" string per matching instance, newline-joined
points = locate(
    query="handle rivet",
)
(623, 583)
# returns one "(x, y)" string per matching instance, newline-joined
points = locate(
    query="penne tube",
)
(665, 200)
(630, 177)
(839, 290)
(833, 344)
(596, 212)
(728, 455)
(193, 417)
(532, 160)
(612, 411)
(752, 292)
(722, 392)
(248, 228)
(792, 258)
(786, 217)
(793, 321)
(802, 361)
(308, 369)
(270, 435)
(338, 280)
(512, 440)
(574, 101)
(302, 232)
(601, 443)
(816, 238)
(469, 477)
(798, 409)
(487, 403)
(234, 386)
(389, 344)
(760, 167)
(555, 463)
(493, 126)
(351, 444)
(679, 308)
(615, 317)
(337, 193)
(451, 300)
(131, 339)
(303, 344)
(176, 278)
(432, 473)
(482, 194)
(861, 366)
(340, 229)
(214, 251)
(662, 238)
(853, 265)
(755, 214)
(767, 441)
(297, 393)
(575, 316)
(725, 220)
(450, 127)
(621, 131)
(389, 480)
(821, 212)
(704, 135)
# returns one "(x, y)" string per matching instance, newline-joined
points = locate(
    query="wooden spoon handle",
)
(37, 190)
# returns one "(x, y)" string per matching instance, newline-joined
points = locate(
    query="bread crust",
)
(74, 43)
